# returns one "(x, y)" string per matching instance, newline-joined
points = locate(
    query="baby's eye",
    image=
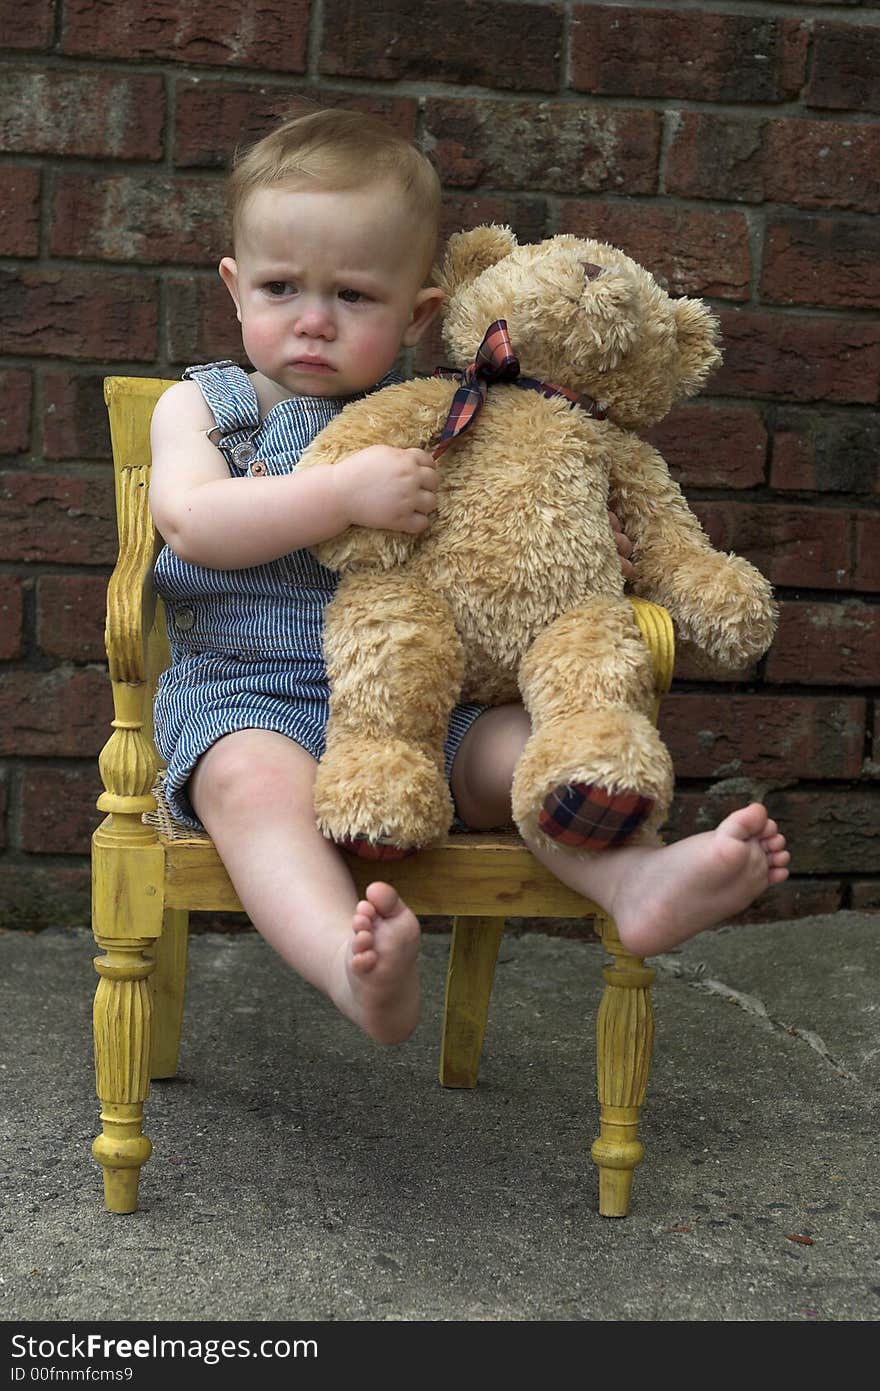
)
(277, 288)
(352, 296)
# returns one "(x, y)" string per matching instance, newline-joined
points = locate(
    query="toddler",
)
(334, 222)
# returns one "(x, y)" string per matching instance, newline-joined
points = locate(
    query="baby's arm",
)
(227, 523)
(408, 415)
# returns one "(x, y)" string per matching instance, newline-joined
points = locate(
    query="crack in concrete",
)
(695, 977)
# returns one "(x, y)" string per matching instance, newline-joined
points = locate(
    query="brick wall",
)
(733, 147)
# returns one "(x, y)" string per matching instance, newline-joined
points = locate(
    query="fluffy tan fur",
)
(515, 589)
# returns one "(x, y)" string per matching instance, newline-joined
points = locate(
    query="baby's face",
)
(327, 285)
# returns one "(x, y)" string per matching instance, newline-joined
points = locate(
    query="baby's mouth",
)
(312, 364)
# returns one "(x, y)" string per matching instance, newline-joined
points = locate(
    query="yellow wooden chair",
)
(148, 874)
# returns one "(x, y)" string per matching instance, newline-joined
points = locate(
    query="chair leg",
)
(472, 956)
(625, 1034)
(167, 986)
(122, 1017)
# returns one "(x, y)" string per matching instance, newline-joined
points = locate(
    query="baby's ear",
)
(427, 305)
(468, 254)
(229, 275)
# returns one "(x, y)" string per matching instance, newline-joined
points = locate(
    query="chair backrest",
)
(132, 608)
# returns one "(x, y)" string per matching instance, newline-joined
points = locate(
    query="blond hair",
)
(338, 149)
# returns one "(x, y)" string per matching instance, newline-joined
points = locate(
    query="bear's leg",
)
(594, 772)
(395, 665)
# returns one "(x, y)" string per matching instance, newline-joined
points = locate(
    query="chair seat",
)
(471, 874)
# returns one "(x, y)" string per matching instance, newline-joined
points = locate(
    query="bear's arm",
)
(409, 415)
(720, 604)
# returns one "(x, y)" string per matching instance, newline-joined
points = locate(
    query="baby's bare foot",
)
(666, 896)
(381, 964)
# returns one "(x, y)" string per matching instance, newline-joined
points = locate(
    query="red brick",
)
(64, 713)
(65, 520)
(80, 111)
(486, 42)
(71, 611)
(793, 899)
(800, 358)
(211, 118)
(725, 736)
(202, 326)
(27, 24)
(830, 830)
(558, 146)
(75, 422)
(810, 164)
(715, 156)
(865, 895)
(821, 644)
(826, 261)
(273, 33)
(844, 67)
(36, 896)
(11, 613)
(79, 314)
(806, 546)
(58, 812)
(710, 446)
(816, 452)
(691, 252)
(139, 217)
(19, 211)
(527, 217)
(688, 667)
(823, 164)
(15, 410)
(866, 575)
(621, 50)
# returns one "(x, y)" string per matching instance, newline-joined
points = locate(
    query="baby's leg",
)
(657, 896)
(252, 790)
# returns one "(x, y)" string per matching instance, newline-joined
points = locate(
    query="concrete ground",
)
(302, 1173)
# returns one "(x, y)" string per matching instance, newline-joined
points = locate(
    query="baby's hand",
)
(623, 544)
(392, 489)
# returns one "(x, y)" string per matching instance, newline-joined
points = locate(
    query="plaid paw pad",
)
(591, 818)
(374, 850)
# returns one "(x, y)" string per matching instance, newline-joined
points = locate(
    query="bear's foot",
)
(380, 799)
(592, 780)
(585, 817)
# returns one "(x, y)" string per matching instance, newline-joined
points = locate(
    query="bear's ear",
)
(610, 306)
(697, 330)
(468, 254)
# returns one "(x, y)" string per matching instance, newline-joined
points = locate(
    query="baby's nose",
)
(315, 321)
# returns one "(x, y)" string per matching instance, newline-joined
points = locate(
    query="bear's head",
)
(582, 314)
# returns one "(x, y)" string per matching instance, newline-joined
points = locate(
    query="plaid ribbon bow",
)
(495, 362)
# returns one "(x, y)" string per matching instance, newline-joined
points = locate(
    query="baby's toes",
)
(771, 845)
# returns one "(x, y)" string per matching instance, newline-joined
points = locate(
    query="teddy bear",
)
(561, 352)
